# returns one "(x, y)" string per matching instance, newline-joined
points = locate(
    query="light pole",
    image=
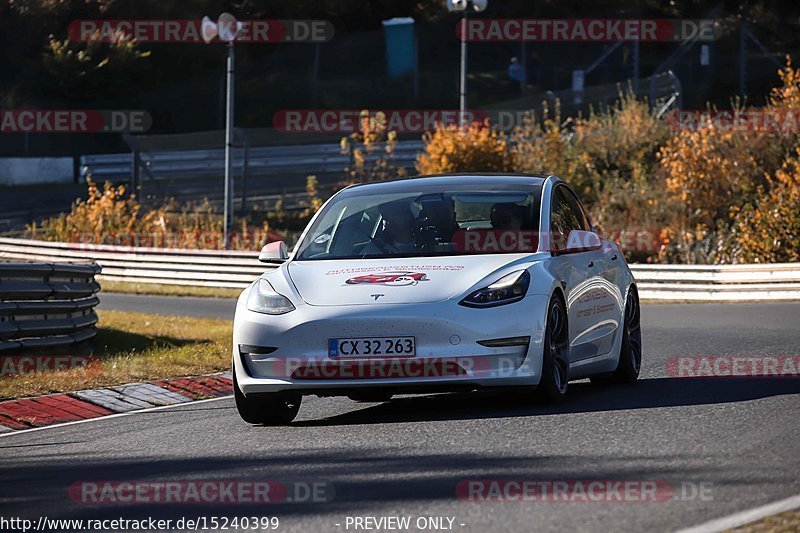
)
(226, 28)
(463, 6)
(228, 210)
(462, 92)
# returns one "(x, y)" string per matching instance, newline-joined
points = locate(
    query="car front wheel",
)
(555, 366)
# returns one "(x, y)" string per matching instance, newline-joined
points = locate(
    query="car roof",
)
(462, 181)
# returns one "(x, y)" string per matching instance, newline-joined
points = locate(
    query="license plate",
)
(372, 347)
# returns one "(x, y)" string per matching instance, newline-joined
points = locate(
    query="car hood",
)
(395, 281)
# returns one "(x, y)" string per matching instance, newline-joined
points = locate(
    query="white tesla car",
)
(439, 283)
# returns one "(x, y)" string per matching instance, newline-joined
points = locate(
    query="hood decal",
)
(394, 281)
(389, 277)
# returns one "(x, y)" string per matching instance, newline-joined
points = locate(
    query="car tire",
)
(555, 352)
(630, 353)
(269, 409)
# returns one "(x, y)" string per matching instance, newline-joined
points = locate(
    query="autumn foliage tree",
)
(609, 157)
(474, 148)
(768, 231)
(111, 216)
(718, 171)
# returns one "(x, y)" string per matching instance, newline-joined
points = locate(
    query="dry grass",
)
(159, 289)
(133, 347)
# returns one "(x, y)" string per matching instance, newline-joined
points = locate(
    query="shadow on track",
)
(373, 478)
(582, 398)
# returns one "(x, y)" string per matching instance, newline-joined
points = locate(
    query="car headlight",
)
(264, 299)
(506, 290)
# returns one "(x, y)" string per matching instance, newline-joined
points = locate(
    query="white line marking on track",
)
(115, 415)
(745, 517)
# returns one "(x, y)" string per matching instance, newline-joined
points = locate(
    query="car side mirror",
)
(581, 241)
(274, 252)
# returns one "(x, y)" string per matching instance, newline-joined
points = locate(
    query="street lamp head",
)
(208, 30)
(457, 5)
(228, 27)
(479, 5)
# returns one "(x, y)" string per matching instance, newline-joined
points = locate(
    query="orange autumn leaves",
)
(715, 194)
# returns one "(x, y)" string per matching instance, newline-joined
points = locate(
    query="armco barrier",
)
(777, 281)
(262, 161)
(210, 268)
(238, 269)
(46, 304)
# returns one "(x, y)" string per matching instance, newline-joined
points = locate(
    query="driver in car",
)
(397, 235)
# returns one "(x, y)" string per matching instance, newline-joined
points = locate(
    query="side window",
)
(577, 209)
(563, 218)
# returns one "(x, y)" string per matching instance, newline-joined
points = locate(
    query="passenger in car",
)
(438, 222)
(508, 216)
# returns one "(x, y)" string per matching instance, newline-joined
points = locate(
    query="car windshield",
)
(361, 223)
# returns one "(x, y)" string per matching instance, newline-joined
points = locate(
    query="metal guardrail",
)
(238, 269)
(210, 268)
(777, 281)
(46, 304)
(261, 161)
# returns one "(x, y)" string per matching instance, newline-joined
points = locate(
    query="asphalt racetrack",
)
(723, 445)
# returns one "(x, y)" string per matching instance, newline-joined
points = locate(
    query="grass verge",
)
(132, 347)
(788, 522)
(158, 289)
